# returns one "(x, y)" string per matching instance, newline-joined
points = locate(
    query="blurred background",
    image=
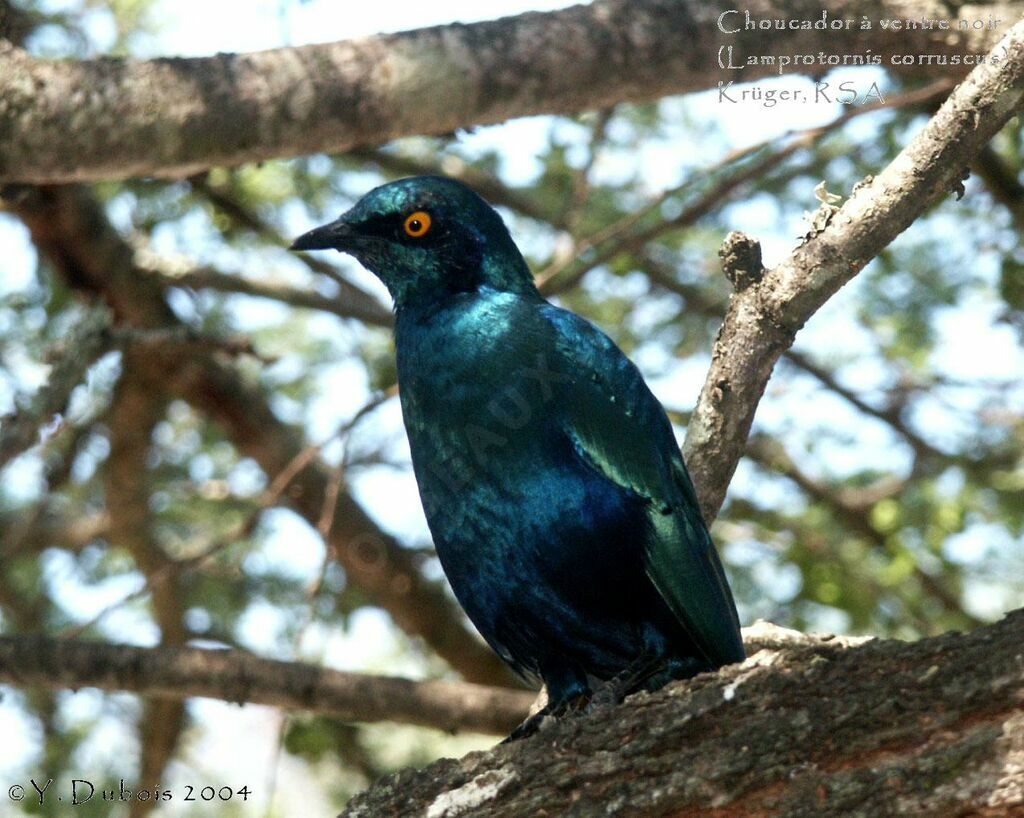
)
(881, 492)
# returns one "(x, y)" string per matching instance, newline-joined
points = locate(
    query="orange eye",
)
(418, 224)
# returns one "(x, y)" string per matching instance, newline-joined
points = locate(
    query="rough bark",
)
(171, 674)
(808, 726)
(179, 116)
(769, 307)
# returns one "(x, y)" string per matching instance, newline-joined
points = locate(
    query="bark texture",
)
(179, 116)
(807, 726)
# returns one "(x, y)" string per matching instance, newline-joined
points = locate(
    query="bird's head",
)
(426, 237)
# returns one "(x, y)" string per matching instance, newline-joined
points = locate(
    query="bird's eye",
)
(417, 224)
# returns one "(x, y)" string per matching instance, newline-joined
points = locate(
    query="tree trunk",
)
(807, 726)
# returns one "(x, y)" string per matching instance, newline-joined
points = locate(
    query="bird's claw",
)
(606, 696)
(572, 706)
(530, 726)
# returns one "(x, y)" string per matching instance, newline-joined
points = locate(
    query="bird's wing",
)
(621, 430)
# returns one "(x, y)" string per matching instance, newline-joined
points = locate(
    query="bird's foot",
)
(570, 706)
(630, 680)
(608, 695)
(530, 726)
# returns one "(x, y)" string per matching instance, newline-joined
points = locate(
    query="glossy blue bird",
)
(555, 492)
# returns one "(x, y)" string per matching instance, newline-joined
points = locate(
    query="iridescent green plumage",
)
(559, 503)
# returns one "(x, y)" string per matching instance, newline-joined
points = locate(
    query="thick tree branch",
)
(809, 726)
(179, 116)
(177, 673)
(764, 317)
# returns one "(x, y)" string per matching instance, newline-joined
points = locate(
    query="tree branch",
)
(856, 519)
(177, 673)
(41, 529)
(137, 408)
(1002, 183)
(763, 318)
(208, 278)
(633, 236)
(15, 24)
(890, 415)
(808, 726)
(72, 357)
(355, 299)
(180, 116)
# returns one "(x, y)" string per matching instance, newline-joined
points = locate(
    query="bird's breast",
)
(481, 391)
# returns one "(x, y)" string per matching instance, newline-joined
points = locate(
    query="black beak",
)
(334, 236)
